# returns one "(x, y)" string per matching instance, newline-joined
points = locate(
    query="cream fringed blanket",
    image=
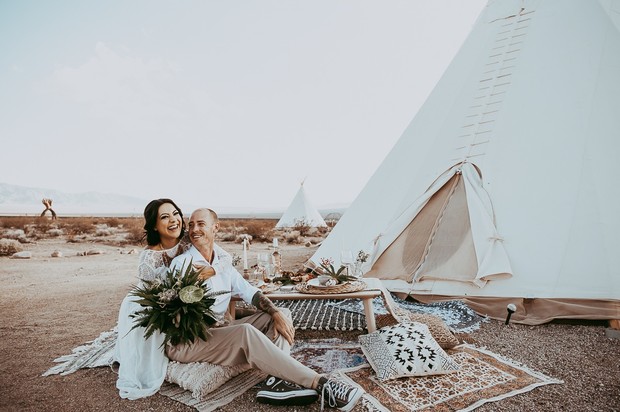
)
(200, 385)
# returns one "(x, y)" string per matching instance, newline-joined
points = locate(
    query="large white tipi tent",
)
(504, 187)
(301, 210)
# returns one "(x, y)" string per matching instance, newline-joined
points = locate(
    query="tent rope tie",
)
(496, 238)
(375, 247)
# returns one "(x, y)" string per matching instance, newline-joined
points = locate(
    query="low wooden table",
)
(366, 295)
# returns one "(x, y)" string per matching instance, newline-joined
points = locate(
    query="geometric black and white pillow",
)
(405, 349)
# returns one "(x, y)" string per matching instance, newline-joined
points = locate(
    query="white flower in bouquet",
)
(179, 306)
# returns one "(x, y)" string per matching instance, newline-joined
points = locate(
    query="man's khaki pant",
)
(248, 340)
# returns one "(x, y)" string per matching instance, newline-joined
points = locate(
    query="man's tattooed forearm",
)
(263, 303)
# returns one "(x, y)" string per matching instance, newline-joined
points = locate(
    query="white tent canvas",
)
(504, 186)
(301, 210)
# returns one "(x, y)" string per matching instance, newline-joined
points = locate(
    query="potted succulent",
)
(329, 276)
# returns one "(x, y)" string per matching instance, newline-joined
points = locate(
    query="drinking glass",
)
(265, 266)
(346, 259)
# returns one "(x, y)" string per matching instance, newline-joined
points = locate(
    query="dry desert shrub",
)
(302, 226)
(230, 226)
(113, 222)
(260, 230)
(14, 234)
(17, 222)
(242, 237)
(33, 227)
(293, 237)
(134, 230)
(103, 230)
(79, 225)
(324, 230)
(227, 237)
(43, 224)
(9, 246)
(54, 232)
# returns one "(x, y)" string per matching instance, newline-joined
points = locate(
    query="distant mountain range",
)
(21, 200)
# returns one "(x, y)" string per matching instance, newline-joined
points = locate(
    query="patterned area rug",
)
(456, 314)
(328, 355)
(483, 377)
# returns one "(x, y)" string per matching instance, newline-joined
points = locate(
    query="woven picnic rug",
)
(484, 377)
(456, 314)
(316, 314)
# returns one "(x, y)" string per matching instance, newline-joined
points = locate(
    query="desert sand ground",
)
(51, 305)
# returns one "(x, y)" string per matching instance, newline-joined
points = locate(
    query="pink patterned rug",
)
(484, 377)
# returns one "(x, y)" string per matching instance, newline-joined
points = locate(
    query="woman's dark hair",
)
(150, 220)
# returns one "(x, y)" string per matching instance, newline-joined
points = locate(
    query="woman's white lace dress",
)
(142, 361)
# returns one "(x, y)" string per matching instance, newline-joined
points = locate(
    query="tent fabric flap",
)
(448, 234)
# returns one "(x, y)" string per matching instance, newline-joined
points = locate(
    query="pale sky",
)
(216, 103)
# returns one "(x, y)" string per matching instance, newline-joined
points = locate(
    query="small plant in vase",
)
(329, 276)
(361, 258)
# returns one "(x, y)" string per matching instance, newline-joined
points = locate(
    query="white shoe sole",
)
(300, 397)
(356, 397)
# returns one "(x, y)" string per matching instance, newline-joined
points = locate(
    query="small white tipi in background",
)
(301, 209)
(504, 187)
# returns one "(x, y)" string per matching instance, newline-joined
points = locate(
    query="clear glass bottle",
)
(276, 258)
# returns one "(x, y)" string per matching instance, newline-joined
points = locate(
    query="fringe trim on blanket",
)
(98, 352)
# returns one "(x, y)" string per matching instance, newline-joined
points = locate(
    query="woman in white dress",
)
(142, 361)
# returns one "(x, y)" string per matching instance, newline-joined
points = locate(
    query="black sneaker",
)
(339, 394)
(276, 391)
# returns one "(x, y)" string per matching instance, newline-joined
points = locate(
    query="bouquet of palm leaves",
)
(179, 306)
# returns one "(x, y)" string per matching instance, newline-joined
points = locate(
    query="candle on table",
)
(245, 254)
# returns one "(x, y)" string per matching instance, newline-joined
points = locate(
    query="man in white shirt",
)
(262, 340)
